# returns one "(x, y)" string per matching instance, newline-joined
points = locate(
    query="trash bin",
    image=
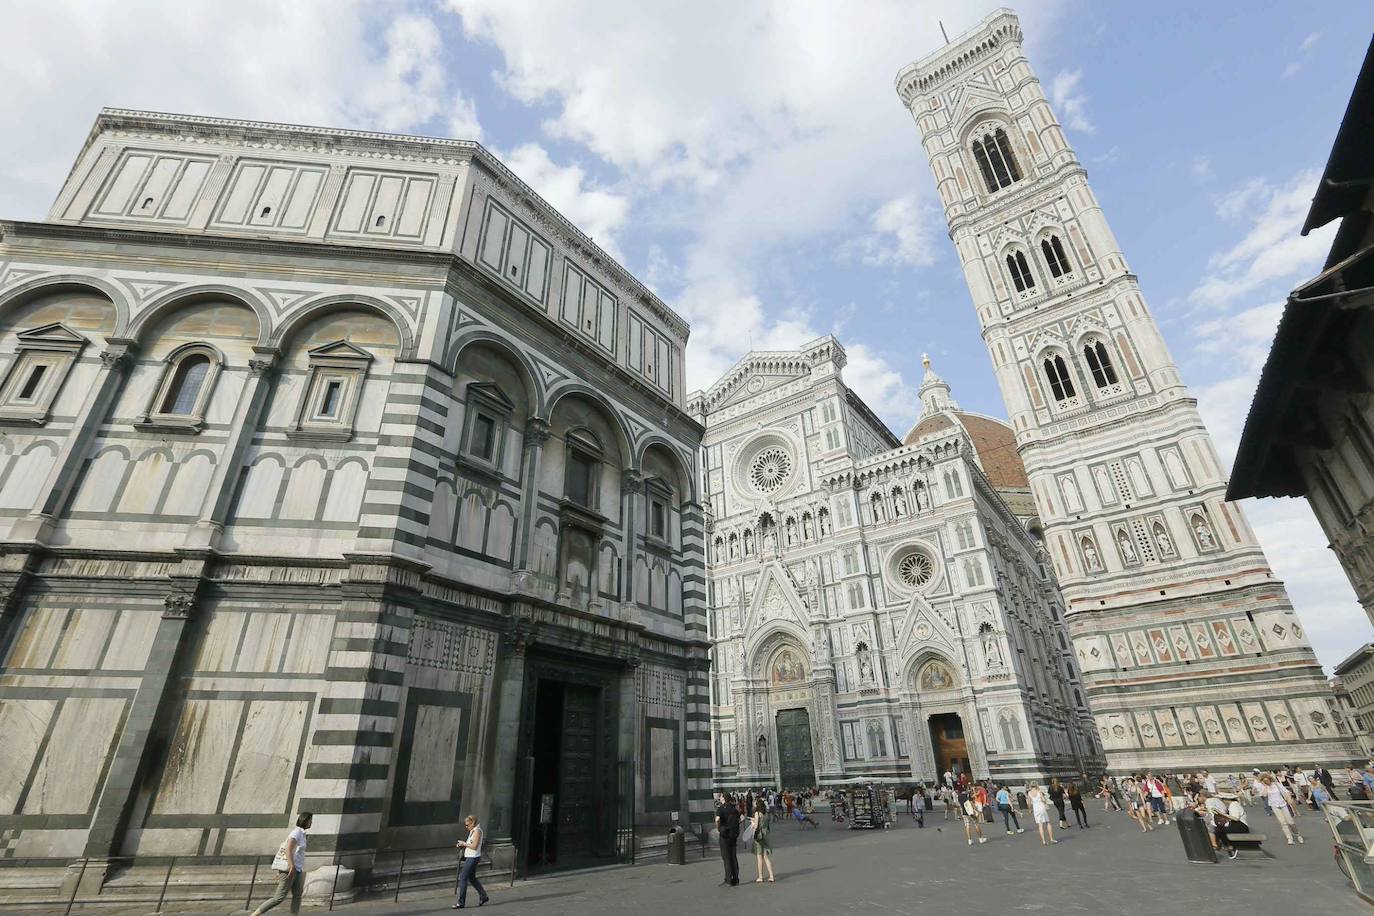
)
(677, 846)
(1193, 831)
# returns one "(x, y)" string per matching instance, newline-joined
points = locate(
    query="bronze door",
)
(577, 773)
(794, 749)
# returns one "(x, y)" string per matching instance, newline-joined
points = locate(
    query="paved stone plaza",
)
(1111, 868)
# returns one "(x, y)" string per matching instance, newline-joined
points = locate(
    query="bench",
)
(1247, 842)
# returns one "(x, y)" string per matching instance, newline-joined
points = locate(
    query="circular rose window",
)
(770, 469)
(916, 569)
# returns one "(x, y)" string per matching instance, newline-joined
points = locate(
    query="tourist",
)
(1056, 794)
(1227, 824)
(1155, 791)
(1080, 813)
(1008, 813)
(1303, 782)
(289, 865)
(973, 817)
(947, 795)
(472, 855)
(1209, 783)
(1040, 811)
(1280, 802)
(1320, 795)
(1138, 805)
(763, 850)
(1322, 775)
(918, 805)
(727, 824)
(1106, 790)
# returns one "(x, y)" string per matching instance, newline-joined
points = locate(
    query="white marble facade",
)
(873, 585)
(1191, 652)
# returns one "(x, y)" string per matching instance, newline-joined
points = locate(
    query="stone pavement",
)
(1110, 869)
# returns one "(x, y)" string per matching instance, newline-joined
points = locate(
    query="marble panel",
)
(345, 496)
(82, 740)
(264, 639)
(84, 639)
(1258, 722)
(132, 641)
(1282, 717)
(23, 723)
(37, 640)
(304, 490)
(308, 650)
(189, 486)
(198, 758)
(147, 483)
(1192, 730)
(221, 641)
(433, 754)
(1234, 721)
(100, 483)
(261, 781)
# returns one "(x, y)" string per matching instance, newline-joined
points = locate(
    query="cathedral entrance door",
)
(947, 740)
(794, 749)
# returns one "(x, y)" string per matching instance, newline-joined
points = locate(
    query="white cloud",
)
(1201, 167)
(1069, 100)
(881, 387)
(348, 63)
(1291, 70)
(748, 131)
(596, 211)
(1310, 42)
(1271, 250)
(1307, 44)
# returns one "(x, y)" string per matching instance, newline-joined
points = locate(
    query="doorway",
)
(947, 740)
(795, 766)
(565, 822)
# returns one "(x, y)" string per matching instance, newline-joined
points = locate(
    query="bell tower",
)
(1191, 653)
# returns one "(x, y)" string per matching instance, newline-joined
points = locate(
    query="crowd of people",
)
(1149, 799)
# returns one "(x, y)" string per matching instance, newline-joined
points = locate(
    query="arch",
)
(915, 667)
(168, 303)
(1097, 353)
(622, 435)
(20, 295)
(534, 389)
(323, 305)
(760, 645)
(659, 444)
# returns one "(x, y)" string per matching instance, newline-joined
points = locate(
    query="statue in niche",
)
(806, 527)
(1090, 555)
(865, 659)
(1127, 549)
(992, 653)
(763, 752)
(1204, 533)
(1166, 545)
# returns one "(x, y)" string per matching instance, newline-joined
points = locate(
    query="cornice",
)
(969, 47)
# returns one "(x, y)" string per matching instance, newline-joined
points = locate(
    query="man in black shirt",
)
(727, 822)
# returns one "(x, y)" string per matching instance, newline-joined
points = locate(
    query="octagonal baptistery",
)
(315, 444)
(880, 610)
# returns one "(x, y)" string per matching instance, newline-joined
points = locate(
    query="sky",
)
(751, 163)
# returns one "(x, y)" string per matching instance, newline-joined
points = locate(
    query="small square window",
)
(329, 406)
(483, 442)
(579, 478)
(43, 358)
(331, 400)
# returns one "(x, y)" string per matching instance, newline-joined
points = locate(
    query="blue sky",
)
(752, 163)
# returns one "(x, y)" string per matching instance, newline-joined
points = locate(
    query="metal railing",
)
(430, 869)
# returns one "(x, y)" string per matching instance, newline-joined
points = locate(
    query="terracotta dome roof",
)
(992, 439)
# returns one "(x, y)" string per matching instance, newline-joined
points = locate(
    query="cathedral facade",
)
(341, 473)
(879, 609)
(1191, 652)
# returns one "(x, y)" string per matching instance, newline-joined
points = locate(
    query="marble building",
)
(338, 472)
(1192, 655)
(879, 609)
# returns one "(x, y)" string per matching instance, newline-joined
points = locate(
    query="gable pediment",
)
(54, 336)
(341, 351)
(776, 598)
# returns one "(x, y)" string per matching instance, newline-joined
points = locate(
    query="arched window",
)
(1019, 269)
(187, 380)
(1061, 384)
(995, 161)
(1055, 258)
(1104, 373)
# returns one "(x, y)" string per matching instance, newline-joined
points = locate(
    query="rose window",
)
(915, 569)
(770, 469)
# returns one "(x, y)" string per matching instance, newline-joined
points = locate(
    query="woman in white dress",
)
(1040, 809)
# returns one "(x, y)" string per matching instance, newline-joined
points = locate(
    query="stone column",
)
(537, 433)
(149, 712)
(220, 492)
(630, 718)
(504, 757)
(631, 489)
(51, 495)
(699, 782)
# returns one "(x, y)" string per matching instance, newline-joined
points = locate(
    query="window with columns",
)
(1019, 268)
(1055, 258)
(992, 151)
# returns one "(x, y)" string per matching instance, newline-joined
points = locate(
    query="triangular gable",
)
(977, 102)
(54, 336)
(754, 374)
(923, 628)
(340, 350)
(775, 598)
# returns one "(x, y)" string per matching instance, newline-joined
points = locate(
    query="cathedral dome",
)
(993, 441)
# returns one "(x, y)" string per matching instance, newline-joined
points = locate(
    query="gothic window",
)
(1011, 731)
(1055, 258)
(188, 377)
(953, 487)
(1057, 372)
(992, 152)
(1020, 271)
(1100, 364)
(582, 467)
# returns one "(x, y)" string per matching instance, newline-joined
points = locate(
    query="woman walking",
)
(763, 849)
(1008, 814)
(1136, 806)
(1040, 810)
(1281, 805)
(973, 817)
(289, 865)
(472, 854)
(1057, 797)
(1080, 813)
